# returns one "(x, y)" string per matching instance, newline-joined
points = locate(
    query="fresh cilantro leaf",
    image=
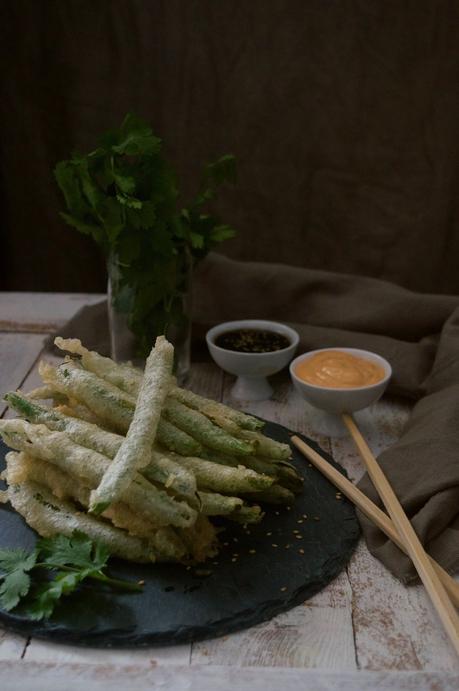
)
(48, 594)
(68, 560)
(124, 195)
(15, 584)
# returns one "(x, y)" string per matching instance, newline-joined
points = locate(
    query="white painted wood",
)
(11, 647)
(18, 352)
(41, 312)
(395, 626)
(306, 636)
(77, 677)
(43, 651)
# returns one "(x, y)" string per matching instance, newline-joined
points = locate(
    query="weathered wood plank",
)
(306, 636)
(72, 677)
(18, 352)
(41, 312)
(11, 646)
(395, 626)
(43, 651)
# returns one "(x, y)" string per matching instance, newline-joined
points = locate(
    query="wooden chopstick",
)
(414, 548)
(370, 509)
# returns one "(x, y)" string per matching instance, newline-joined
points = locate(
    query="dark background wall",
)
(343, 115)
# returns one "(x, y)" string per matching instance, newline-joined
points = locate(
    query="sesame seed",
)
(188, 568)
(289, 508)
(234, 559)
(252, 551)
(268, 534)
(301, 551)
(274, 545)
(295, 531)
(316, 518)
(235, 554)
(300, 520)
(235, 539)
(277, 513)
(287, 546)
(141, 582)
(305, 515)
(299, 537)
(225, 544)
(283, 589)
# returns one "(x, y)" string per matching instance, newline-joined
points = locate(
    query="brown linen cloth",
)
(418, 334)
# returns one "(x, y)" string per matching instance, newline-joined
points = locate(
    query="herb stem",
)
(96, 576)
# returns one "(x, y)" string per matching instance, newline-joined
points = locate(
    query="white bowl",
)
(342, 400)
(252, 368)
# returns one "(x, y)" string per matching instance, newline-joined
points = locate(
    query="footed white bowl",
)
(342, 400)
(251, 369)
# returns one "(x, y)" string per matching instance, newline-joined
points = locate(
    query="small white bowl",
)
(342, 400)
(251, 369)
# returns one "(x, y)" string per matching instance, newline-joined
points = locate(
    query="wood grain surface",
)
(364, 631)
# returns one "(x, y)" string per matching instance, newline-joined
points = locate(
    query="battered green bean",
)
(50, 516)
(202, 429)
(164, 471)
(224, 479)
(135, 450)
(89, 466)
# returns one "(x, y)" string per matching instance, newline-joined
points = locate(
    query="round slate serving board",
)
(242, 588)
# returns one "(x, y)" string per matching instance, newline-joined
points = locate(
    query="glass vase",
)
(131, 337)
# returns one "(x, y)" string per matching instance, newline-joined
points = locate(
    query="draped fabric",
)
(343, 115)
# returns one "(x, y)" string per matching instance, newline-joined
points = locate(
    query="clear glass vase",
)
(131, 340)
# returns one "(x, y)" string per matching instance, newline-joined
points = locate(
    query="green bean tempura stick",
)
(202, 429)
(90, 466)
(136, 448)
(224, 479)
(123, 376)
(50, 516)
(165, 471)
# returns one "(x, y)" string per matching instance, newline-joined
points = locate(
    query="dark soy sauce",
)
(252, 341)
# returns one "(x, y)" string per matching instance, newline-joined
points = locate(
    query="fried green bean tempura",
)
(50, 516)
(135, 450)
(202, 429)
(164, 471)
(56, 447)
(224, 479)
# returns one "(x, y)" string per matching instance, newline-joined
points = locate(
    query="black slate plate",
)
(178, 605)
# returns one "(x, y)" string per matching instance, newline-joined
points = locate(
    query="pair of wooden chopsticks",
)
(436, 580)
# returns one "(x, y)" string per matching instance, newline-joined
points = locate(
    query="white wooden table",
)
(364, 631)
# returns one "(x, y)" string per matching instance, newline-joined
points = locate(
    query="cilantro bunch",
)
(124, 195)
(55, 568)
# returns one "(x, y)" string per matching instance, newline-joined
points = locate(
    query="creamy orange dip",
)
(338, 370)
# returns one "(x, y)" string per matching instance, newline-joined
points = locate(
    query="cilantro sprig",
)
(124, 195)
(54, 569)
